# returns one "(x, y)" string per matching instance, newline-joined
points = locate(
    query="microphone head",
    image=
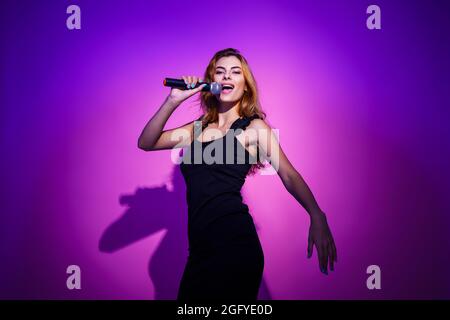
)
(215, 88)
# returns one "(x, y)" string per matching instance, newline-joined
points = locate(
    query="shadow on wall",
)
(151, 210)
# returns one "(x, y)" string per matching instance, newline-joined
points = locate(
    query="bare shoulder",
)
(259, 124)
(258, 129)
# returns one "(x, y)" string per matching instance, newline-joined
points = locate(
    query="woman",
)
(226, 260)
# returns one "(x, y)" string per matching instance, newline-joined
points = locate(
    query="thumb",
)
(199, 88)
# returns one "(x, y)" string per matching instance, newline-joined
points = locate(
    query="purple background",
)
(362, 115)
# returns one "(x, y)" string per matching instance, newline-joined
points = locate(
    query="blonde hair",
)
(249, 104)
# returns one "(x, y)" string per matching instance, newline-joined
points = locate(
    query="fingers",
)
(333, 248)
(331, 256)
(199, 88)
(194, 81)
(187, 80)
(334, 251)
(310, 247)
(323, 258)
(326, 253)
(191, 81)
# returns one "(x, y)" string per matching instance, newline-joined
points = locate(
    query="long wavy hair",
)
(249, 105)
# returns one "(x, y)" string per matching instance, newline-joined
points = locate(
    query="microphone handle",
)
(180, 84)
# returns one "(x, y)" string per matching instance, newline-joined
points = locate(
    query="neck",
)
(225, 106)
(228, 112)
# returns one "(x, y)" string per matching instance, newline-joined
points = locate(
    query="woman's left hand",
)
(320, 236)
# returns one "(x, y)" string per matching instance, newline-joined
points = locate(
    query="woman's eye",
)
(234, 72)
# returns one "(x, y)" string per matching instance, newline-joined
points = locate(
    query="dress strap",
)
(243, 123)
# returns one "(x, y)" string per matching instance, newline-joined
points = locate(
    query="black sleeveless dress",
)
(226, 260)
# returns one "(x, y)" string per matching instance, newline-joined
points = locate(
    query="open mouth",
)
(227, 88)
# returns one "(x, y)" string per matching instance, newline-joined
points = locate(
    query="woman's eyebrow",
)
(220, 67)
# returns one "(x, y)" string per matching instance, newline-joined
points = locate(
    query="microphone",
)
(214, 87)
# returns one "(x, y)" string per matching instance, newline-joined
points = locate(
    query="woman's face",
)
(228, 73)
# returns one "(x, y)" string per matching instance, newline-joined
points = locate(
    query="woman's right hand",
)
(177, 96)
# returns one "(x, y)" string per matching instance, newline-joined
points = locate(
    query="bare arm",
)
(319, 232)
(153, 137)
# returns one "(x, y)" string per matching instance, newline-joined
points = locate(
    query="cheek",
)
(241, 85)
(241, 80)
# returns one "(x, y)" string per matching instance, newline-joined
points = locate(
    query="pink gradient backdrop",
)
(359, 112)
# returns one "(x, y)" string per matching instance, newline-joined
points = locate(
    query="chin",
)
(227, 98)
(228, 101)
